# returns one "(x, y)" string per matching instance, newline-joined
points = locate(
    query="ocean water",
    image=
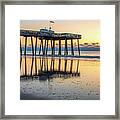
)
(60, 78)
(56, 49)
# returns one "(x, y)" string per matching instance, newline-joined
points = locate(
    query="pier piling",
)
(32, 45)
(72, 50)
(78, 46)
(25, 56)
(36, 46)
(47, 47)
(20, 48)
(59, 53)
(66, 51)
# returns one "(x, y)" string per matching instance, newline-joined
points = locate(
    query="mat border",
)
(55, 2)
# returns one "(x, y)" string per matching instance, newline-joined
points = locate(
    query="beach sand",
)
(81, 82)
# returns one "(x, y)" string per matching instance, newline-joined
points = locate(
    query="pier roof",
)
(54, 36)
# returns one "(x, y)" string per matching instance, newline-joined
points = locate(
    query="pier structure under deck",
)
(48, 38)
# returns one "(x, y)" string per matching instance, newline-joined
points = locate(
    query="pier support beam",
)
(44, 47)
(66, 50)
(35, 57)
(32, 46)
(20, 54)
(40, 47)
(20, 48)
(78, 46)
(53, 47)
(36, 46)
(25, 45)
(47, 47)
(72, 50)
(59, 53)
(25, 56)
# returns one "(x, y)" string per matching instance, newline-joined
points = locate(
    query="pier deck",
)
(54, 36)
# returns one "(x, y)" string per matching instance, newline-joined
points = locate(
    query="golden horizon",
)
(89, 29)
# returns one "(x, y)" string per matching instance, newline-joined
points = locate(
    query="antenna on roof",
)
(51, 22)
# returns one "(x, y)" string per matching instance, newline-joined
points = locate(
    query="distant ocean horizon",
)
(87, 52)
(63, 48)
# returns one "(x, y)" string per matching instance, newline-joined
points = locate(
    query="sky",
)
(89, 29)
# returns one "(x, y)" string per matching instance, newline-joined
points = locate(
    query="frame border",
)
(55, 2)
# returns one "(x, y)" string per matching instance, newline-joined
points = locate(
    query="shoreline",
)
(62, 56)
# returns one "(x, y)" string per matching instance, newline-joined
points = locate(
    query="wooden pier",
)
(47, 41)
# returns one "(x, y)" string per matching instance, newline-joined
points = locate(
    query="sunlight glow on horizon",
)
(89, 29)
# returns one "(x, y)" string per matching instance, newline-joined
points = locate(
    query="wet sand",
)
(61, 81)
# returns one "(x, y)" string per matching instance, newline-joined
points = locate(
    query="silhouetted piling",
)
(78, 46)
(47, 47)
(66, 50)
(59, 53)
(20, 48)
(25, 56)
(36, 46)
(72, 50)
(40, 47)
(25, 45)
(20, 54)
(53, 47)
(32, 45)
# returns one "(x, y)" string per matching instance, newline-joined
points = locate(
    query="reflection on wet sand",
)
(45, 78)
(49, 67)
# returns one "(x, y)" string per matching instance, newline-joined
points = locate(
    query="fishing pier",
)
(47, 43)
(47, 39)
